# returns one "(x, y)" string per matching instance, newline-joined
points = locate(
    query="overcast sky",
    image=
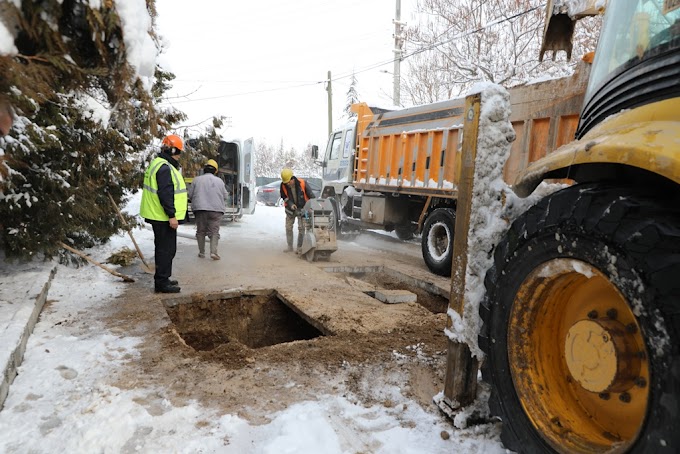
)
(263, 62)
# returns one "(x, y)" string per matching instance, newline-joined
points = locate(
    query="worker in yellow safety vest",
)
(164, 206)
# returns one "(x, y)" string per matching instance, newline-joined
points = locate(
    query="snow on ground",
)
(61, 402)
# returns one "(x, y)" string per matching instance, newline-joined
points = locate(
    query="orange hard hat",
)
(173, 141)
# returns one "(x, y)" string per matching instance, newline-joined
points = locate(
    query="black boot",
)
(166, 288)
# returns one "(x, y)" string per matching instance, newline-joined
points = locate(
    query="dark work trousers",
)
(165, 242)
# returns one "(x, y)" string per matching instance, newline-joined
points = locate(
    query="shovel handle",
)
(127, 227)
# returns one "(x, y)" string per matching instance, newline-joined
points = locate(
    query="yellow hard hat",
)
(212, 163)
(286, 175)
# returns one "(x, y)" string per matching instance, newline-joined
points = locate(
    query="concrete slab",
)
(395, 296)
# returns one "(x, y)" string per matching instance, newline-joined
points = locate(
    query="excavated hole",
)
(428, 295)
(256, 320)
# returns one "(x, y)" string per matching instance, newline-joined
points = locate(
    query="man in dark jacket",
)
(295, 193)
(164, 206)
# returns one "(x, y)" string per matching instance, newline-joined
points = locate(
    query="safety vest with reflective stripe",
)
(151, 207)
(302, 186)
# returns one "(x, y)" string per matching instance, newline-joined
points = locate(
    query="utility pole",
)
(398, 44)
(329, 89)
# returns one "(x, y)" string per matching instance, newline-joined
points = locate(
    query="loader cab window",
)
(633, 31)
(334, 146)
(636, 61)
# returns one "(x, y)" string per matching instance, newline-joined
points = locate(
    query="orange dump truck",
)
(399, 170)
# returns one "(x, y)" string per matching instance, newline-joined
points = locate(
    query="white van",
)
(236, 161)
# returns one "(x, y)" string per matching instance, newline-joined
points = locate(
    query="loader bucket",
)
(558, 31)
(559, 24)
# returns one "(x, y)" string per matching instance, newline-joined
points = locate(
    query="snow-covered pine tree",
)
(200, 148)
(265, 164)
(85, 122)
(352, 97)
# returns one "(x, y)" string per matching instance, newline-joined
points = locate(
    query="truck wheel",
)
(404, 232)
(581, 326)
(437, 240)
(336, 215)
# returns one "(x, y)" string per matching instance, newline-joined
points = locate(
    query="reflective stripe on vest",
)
(151, 207)
(302, 186)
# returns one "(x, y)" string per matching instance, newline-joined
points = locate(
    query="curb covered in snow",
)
(19, 312)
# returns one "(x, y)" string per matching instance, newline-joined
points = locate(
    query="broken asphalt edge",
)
(23, 322)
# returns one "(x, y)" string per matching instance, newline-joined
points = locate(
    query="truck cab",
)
(338, 160)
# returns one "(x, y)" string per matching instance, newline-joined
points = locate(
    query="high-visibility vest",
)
(151, 207)
(302, 186)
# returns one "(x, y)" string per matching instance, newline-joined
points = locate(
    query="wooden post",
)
(460, 387)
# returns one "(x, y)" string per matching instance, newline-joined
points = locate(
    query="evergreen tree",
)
(201, 148)
(352, 97)
(265, 164)
(84, 128)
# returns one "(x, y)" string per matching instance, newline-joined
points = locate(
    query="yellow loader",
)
(581, 319)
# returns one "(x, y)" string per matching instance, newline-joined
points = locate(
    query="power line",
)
(370, 67)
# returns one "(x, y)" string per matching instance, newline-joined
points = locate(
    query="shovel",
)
(146, 268)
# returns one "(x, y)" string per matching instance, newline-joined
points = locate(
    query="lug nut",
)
(592, 314)
(624, 397)
(641, 382)
(604, 396)
(631, 328)
(612, 314)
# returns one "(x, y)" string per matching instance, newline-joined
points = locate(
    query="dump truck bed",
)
(418, 150)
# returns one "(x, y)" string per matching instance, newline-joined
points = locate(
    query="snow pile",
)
(575, 7)
(141, 51)
(7, 46)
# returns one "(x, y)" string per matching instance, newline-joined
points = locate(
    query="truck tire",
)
(405, 232)
(437, 240)
(581, 326)
(336, 215)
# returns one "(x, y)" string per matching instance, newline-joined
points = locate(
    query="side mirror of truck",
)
(315, 152)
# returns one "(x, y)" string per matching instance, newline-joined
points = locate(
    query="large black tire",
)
(437, 240)
(633, 242)
(405, 232)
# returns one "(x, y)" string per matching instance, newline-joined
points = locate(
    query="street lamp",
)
(395, 87)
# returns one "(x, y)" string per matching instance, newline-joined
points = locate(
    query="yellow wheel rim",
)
(578, 359)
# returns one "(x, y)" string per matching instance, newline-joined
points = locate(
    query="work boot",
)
(288, 249)
(172, 282)
(167, 288)
(213, 248)
(201, 246)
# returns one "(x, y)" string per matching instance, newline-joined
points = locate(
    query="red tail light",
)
(268, 190)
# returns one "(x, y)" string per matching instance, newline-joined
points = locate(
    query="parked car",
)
(269, 194)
